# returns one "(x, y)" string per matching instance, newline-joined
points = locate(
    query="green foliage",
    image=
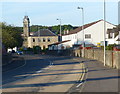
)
(110, 47)
(36, 49)
(21, 49)
(35, 28)
(29, 49)
(11, 36)
(55, 29)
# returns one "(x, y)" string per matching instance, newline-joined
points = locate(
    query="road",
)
(42, 73)
(29, 65)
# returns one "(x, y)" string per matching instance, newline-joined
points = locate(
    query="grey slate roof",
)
(44, 32)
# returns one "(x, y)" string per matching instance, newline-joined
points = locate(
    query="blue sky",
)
(46, 13)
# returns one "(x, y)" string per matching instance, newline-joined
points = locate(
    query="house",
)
(113, 36)
(41, 38)
(93, 33)
(59, 45)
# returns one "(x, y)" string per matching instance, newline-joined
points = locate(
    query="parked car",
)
(19, 52)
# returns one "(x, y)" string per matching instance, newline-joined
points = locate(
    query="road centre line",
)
(83, 74)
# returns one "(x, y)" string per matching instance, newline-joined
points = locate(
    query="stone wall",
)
(116, 60)
(112, 57)
(61, 52)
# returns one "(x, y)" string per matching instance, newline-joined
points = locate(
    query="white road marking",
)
(79, 84)
(39, 71)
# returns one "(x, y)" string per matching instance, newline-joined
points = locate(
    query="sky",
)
(46, 13)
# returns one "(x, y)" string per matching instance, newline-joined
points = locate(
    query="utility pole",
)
(60, 30)
(83, 43)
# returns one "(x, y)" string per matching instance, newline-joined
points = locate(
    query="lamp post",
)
(60, 30)
(83, 29)
(104, 33)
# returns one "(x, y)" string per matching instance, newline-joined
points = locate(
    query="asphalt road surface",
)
(42, 73)
(31, 64)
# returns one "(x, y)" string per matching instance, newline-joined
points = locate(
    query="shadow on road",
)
(60, 83)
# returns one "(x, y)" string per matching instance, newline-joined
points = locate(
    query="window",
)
(111, 35)
(39, 40)
(48, 39)
(43, 39)
(87, 36)
(33, 40)
(75, 36)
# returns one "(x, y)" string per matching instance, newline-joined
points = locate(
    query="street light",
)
(60, 30)
(104, 33)
(82, 28)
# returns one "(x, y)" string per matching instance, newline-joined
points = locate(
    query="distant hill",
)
(54, 29)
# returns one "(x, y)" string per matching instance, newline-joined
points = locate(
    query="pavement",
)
(98, 78)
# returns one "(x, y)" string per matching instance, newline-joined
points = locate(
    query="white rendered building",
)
(93, 34)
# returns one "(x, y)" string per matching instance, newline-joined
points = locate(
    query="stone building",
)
(42, 38)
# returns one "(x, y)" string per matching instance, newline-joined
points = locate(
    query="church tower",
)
(26, 26)
(26, 30)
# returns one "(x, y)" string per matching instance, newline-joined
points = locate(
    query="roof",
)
(112, 30)
(59, 42)
(80, 28)
(85, 26)
(44, 32)
(118, 39)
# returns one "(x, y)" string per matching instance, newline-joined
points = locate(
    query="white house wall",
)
(96, 31)
(72, 37)
(65, 44)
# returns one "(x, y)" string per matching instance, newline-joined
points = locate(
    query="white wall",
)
(96, 31)
(71, 37)
(10, 50)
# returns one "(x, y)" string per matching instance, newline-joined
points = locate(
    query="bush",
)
(110, 47)
(36, 49)
(29, 49)
(21, 49)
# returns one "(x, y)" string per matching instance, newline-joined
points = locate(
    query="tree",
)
(11, 36)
